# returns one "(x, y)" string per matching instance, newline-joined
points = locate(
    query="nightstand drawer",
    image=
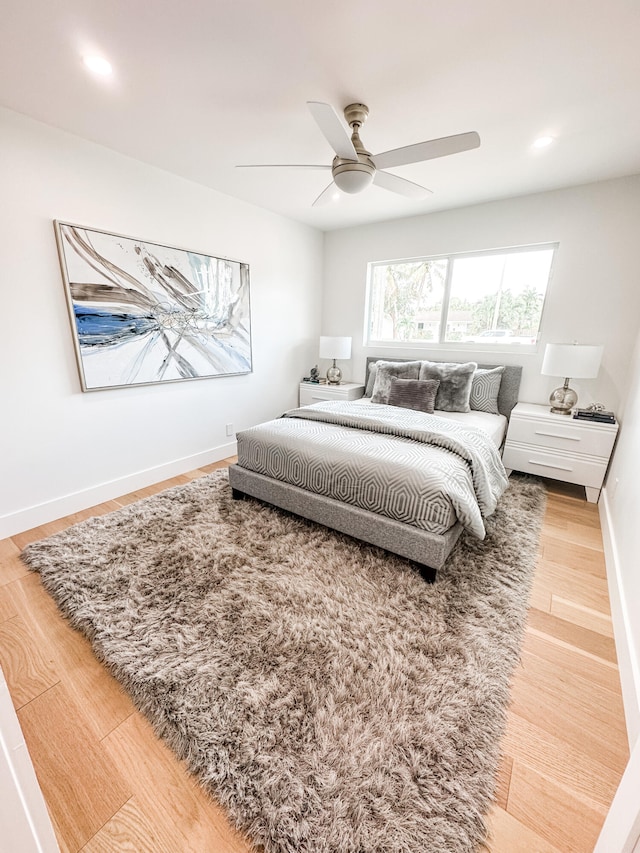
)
(556, 466)
(315, 395)
(311, 393)
(565, 435)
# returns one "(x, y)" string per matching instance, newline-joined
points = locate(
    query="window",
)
(491, 299)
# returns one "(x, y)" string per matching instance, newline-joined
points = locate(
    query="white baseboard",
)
(628, 663)
(38, 514)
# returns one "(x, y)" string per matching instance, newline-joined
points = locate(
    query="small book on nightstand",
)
(594, 416)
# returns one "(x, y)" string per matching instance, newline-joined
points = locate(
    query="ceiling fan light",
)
(353, 177)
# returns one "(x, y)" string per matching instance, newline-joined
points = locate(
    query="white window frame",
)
(454, 345)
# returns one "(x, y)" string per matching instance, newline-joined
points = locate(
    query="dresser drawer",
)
(557, 466)
(565, 435)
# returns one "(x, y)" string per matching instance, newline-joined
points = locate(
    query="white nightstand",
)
(559, 447)
(310, 392)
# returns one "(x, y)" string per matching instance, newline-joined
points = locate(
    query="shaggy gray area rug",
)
(321, 690)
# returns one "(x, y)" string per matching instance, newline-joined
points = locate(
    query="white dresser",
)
(559, 447)
(311, 392)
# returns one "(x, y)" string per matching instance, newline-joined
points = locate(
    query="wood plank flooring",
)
(111, 785)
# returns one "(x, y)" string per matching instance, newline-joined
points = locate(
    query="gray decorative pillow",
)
(418, 394)
(386, 370)
(485, 389)
(455, 383)
(371, 378)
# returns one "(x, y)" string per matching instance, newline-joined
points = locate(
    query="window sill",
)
(472, 348)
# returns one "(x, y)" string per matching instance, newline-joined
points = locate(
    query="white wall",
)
(620, 513)
(62, 450)
(26, 825)
(594, 296)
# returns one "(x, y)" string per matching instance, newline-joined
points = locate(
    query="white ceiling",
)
(200, 86)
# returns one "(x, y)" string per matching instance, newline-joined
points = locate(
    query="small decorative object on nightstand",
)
(314, 375)
(575, 451)
(573, 362)
(335, 348)
(311, 393)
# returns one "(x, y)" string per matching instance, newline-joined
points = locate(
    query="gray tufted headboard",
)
(509, 387)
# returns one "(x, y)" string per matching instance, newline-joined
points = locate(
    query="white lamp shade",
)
(572, 361)
(335, 347)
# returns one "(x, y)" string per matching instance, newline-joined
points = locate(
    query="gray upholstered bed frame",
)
(429, 550)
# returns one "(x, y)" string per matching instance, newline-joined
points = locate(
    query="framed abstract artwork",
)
(143, 313)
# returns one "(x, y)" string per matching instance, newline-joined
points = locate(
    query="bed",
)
(405, 480)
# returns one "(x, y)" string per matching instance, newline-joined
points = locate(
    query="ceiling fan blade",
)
(325, 196)
(332, 129)
(280, 166)
(427, 150)
(400, 185)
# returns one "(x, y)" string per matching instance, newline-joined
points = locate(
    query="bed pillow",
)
(373, 370)
(455, 383)
(418, 394)
(386, 370)
(485, 389)
(371, 379)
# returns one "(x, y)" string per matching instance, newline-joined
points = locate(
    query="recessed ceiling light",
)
(98, 65)
(543, 141)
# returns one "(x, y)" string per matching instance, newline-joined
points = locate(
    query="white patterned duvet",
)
(418, 469)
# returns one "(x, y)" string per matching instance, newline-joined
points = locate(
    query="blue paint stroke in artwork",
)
(98, 328)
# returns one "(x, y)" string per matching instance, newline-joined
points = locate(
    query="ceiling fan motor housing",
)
(353, 176)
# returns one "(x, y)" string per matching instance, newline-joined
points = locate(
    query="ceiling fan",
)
(354, 168)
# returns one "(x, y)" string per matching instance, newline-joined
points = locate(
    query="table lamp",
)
(573, 361)
(335, 348)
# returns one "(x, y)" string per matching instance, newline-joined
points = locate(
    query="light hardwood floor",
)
(111, 785)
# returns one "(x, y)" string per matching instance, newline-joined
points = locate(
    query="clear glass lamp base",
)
(334, 375)
(563, 400)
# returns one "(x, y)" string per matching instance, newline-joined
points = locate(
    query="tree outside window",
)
(488, 299)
